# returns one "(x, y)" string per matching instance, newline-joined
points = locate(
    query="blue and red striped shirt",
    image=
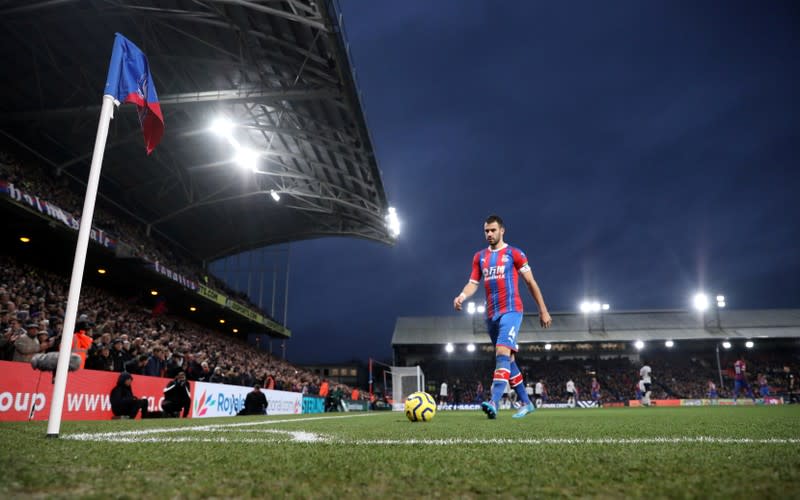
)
(500, 271)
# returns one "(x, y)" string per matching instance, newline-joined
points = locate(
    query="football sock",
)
(516, 382)
(502, 373)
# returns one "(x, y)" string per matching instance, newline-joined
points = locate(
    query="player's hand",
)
(458, 301)
(545, 320)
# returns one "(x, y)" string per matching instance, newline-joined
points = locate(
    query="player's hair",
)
(494, 218)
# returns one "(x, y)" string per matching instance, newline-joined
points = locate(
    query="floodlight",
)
(449, 348)
(726, 345)
(606, 307)
(586, 306)
(721, 304)
(596, 307)
(547, 347)
(700, 301)
(749, 344)
(470, 347)
(639, 345)
(393, 222)
(481, 309)
(669, 343)
(720, 298)
(246, 158)
(275, 195)
(471, 307)
(222, 127)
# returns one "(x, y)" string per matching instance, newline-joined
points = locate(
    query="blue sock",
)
(516, 383)
(501, 375)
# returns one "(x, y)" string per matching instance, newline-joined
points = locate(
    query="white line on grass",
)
(114, 436)
(574, 441)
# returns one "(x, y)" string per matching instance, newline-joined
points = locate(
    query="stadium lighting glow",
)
(481, 309)
(101, 271)
(547, 347)
(193, 309)
(24, 239)
(585, 307)
(720, 298)
(153, 292)
(471, 307)
(235, 330)
(606, 307)
(393, 222)
(246, 158)
(275, 195)
(593, 306)
(222, 127)
(222, 322)
(669, 343)
(726, 345)
(470, 347)
(721, 304)
(700, 301)
(639, 345)
(749, 344)
(449, 348)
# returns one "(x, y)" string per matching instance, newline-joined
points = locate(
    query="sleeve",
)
(475, 275)
(520, 260)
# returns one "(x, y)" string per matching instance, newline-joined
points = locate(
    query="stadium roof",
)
(610, 327)
(280, 70)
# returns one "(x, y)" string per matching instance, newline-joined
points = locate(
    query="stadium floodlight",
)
(547, 347)
(101, 271)
(24, 239)
(669, 343)
(235, 330)
(639, 345)
(193, 309)
(606, 307)
(393, 222)
(275, 195)
(726, 345)
(470, 347)
(222, 127)
(586, 306)
(720, 298)
(700, 301)
(449, 348)
(153, 292)
(246, 158)
(481, 309)
(749, 344)
(471, 307)
(595, 307)
(721, 304)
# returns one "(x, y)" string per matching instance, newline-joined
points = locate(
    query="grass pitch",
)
(731, 452)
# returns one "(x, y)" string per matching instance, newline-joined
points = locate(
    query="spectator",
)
(174, 365)
(119, 355)
(27, 345)
(177, 397)
(100, 359)
(155, 363)
(136, 365)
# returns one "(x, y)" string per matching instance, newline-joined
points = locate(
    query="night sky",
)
(638, 152)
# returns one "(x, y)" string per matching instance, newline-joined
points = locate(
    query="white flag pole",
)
(65, 350)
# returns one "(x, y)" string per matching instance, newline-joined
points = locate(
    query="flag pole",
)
(65, 350)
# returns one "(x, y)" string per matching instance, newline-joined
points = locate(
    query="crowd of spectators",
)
(126, 336)
(59, 190)
(674, 376)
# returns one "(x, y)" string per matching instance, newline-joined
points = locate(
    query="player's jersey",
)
(570, 386)
(539, 388)
(762, 381)
(739, 369)
(644, 372)
(595, 386)
(500, 271)
(712, 387)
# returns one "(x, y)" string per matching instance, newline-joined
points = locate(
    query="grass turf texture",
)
(262, 460)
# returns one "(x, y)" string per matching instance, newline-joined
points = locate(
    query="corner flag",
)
(129, 80)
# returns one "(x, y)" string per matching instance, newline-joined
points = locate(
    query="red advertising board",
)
(87, 394)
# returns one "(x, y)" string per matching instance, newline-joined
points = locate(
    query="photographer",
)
(255, 403)
(176, 397)
(123, 402)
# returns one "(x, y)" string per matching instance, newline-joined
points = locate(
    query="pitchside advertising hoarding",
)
(220, 400)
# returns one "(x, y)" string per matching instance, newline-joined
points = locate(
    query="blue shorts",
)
(765, 390)
(503, 330)
(741, 384)
(595, 395)
(713, 395)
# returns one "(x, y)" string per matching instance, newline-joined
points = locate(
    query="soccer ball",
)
(420, 407)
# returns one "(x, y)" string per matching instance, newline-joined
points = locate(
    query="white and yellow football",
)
(420, 407)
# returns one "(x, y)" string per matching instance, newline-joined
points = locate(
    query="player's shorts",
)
(713, 395)
(765, 390)
(570, 394)
(503, 330)
(646, 387)
(595, 395)
(740, 384)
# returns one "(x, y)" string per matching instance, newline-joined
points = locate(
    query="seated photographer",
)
(177, 397)
(255, 403)
(123, 402)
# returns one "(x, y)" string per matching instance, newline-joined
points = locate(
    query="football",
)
(420, 407)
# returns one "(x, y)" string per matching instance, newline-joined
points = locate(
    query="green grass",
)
(349, 464)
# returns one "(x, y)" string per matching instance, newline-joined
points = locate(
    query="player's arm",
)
(472, 285)
(527, 276)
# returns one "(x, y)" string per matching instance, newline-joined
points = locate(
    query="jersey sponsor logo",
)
(494, 272)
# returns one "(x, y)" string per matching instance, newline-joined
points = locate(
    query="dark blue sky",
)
(638, 151)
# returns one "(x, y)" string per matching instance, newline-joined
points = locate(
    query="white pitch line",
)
(574, 441)
(108, 436)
